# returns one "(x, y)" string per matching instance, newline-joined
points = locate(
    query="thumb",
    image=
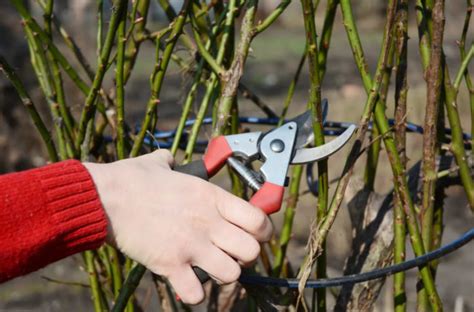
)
(163, 155)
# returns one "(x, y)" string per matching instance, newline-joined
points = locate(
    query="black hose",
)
(362, 277)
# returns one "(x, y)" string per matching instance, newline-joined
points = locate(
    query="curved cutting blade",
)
(306, 155)
(305, 133)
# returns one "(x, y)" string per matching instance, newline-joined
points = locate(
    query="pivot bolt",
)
(277, 146)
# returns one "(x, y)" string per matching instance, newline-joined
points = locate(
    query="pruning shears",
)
(277, 149)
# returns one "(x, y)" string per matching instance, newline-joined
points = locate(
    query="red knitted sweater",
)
(47, 214)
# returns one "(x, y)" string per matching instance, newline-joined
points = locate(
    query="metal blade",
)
(305, 134)
(325, 106)
(306, 155)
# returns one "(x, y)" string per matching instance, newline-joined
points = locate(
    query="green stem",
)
(31, 109)
(113, 259)
(29, 21)
(60, 59)
(212, 87)
(137, 29)
(47, 17)
(105, 270)
(213, 82)
(120, 86)
(238, 186)
(373, 151)
(457, 141)
(434, 80)
(171, 14)
(462, 70)
(158, 77)
(402, 187)
(314, 104)
(395, 162)
(437, 232)
(232, 76)
(97, 295)
(57, 82)
(70, 43)
(187, 108)
(128, 288)
(457, 144)
(285, 233)
(326, 35)
(467, 77)
(45, 79)
(89, 106)
(434, 77)
(401, 92)
(203, 50)
(66, 116)
(323, 227)
(272, 17)
(424, 35)
(100, 26)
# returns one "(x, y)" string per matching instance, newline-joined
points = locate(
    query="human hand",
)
(169, 222)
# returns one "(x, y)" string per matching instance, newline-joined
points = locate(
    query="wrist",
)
(104, 184)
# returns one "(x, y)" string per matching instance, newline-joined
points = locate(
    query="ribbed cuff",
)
(72, 200)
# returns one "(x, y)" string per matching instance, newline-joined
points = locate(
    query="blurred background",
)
(269, 70)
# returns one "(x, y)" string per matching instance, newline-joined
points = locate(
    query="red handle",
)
(216, 155)
(268, 198)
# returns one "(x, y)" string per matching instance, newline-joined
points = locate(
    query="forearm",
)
(47, 214)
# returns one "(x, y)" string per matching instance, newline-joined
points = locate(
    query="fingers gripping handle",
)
(218, 151)
(198, 169)
(268, 198)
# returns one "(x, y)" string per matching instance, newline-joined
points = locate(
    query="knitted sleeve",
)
(47, 214)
